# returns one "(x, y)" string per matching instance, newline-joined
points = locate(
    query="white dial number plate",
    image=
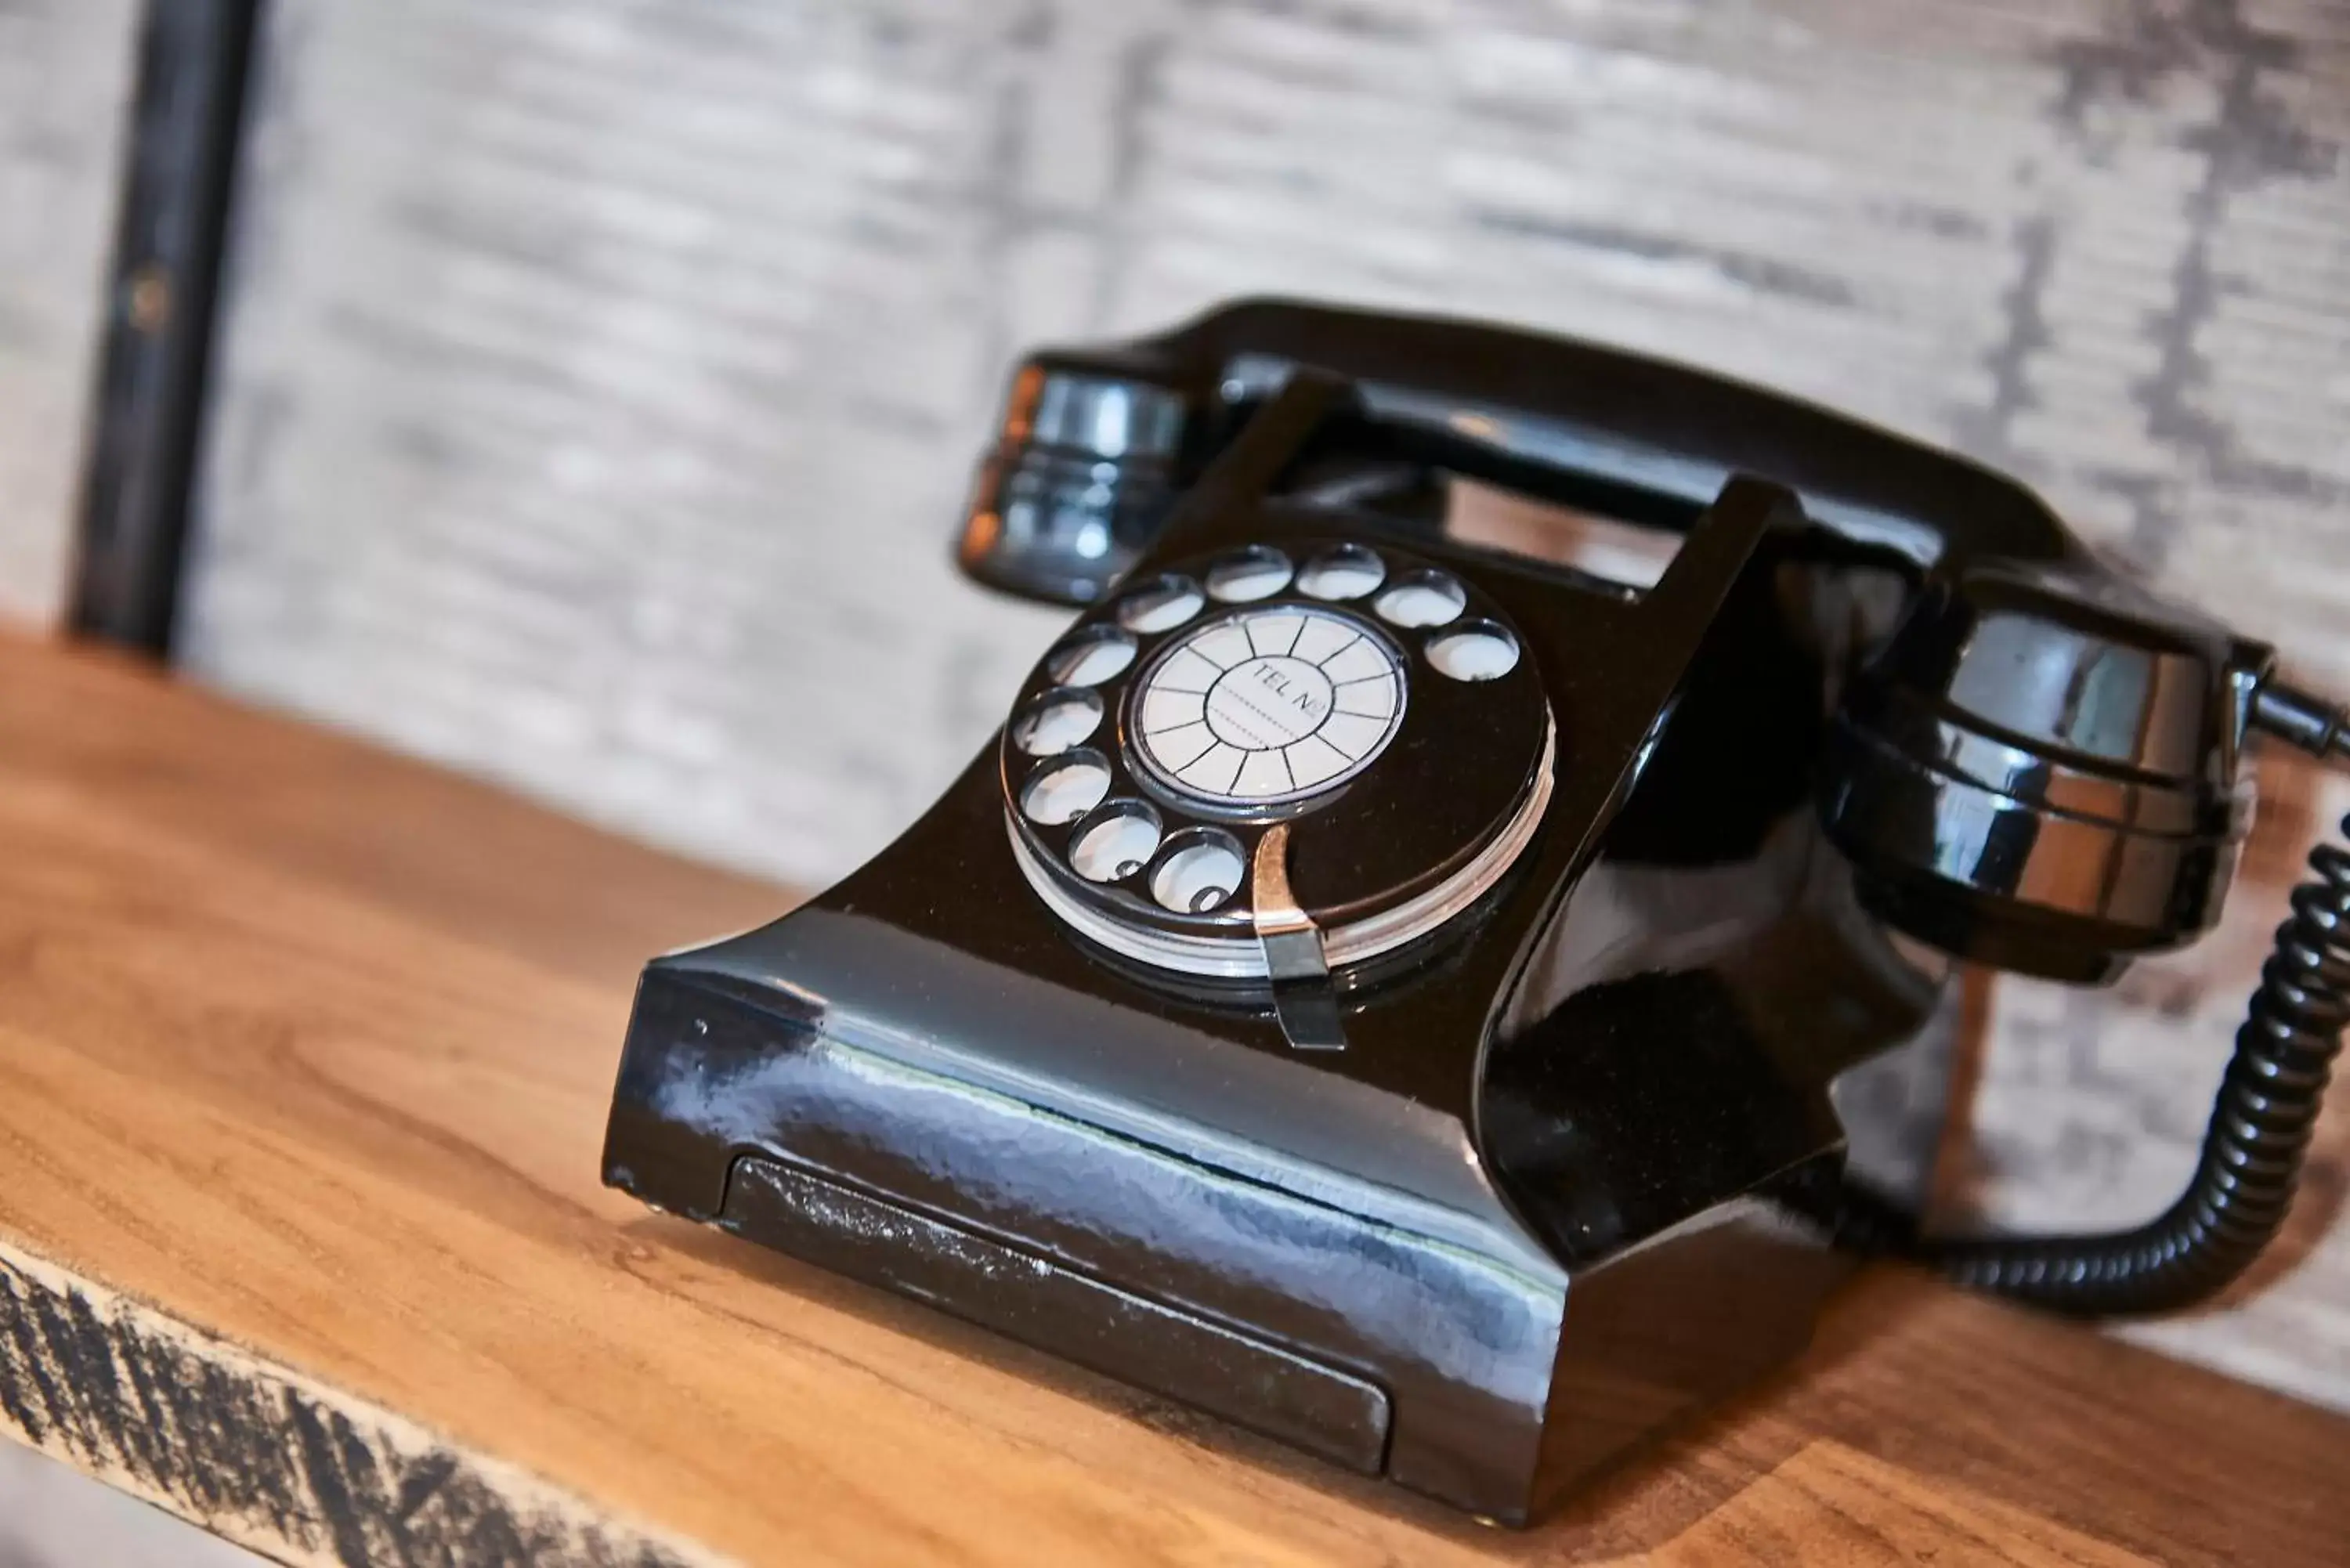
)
(1268, 706)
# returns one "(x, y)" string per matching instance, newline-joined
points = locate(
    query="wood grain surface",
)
(304, 1052)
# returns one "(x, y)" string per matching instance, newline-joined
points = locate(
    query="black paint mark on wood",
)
(259, 1454)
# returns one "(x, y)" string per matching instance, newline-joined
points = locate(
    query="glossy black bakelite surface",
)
(1527, 1213)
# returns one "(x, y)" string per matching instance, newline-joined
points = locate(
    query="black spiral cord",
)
(2252, 1151)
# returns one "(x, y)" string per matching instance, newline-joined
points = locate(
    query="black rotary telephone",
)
(1403, 995)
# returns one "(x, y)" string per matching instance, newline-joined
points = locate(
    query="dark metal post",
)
(148, 418)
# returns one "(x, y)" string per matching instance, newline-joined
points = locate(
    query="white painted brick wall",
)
(65, 73)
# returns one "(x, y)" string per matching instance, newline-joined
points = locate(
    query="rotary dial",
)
(1330, 744)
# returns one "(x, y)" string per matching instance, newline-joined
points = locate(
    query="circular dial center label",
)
(1268, 705)
(1267, 702)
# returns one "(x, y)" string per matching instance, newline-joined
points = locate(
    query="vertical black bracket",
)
(186, 124)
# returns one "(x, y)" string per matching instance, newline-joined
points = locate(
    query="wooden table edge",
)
(266, 1455)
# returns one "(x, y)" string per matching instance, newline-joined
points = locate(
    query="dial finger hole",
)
(1423, 598)
(1116, 842)
(1055, 722)
(1065, 789)
(1342, 572)
(1160, 606)
(1091, 656)
(1480, 650)
(1256, 573)
(1200, 872)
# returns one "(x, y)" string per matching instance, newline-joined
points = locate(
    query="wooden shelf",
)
(304, 1056)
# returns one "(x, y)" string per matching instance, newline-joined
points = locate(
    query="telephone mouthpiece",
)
(2044, 774)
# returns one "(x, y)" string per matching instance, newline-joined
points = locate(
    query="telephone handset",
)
(1414, 999)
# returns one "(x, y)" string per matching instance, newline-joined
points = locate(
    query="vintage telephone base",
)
(1409, 998)
(1342, 1319)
